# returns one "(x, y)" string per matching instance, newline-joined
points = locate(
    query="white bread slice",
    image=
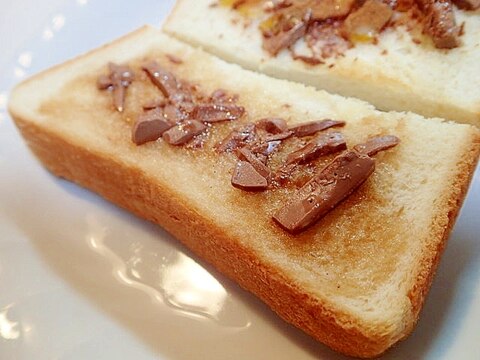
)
(355, 281)
(408, 77)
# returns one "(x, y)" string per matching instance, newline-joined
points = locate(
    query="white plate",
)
(82, 279)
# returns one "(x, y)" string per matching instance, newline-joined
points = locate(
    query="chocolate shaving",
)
(289, 26)
(369, 19)
(183, 132)
(260, 167)
(161, 78)
(119, 78)
(245, 177)
(377, 144)
(272, 125)
(312, 127)
(468, 4)
(440, 23)
(276, 137)
(153, 104)
(237, 138)
(320, 145)
(324, 191)
(217, 112)
(174, 114)
(150, 126)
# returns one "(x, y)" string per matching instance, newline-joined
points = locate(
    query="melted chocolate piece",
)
(320, 145)
(468, 4)
(161, 78)
(272, 125)
(279, 136)
(217, 112)
(119, 78)
(259, 166)
(289, 25)
(174, 114)
(324, 191)
(440, 23)
(326, 9)
(377, 144)
(245, 177)
(369, 19)
(312, 127)
(153, 104)
(183, 132)
(150, 126)
(237, 138)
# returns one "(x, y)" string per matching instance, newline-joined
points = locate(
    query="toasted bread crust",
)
(159, 202)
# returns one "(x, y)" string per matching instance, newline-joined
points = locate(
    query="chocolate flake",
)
(119, 78)
(150, 126)
(245, 177)
(312, 127)
(320, 145)
(272, 125)
(260, 167)
(324, 191)
(237, 138)
(217, 112)
(183, 132)
(377, 144)
(440, 23)
(161, 78)
(174, 59)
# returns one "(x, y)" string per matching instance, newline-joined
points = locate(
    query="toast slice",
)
(395, 74)
(356, 280)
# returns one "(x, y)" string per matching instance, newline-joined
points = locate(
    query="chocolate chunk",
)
(272, 125)
(326, 9)
(150, 126)
(259, 166)
(265, 148)
(153, 104)
(118, 79)
(237, 138)
(440, 23)
(214, 112)
(164, 80)
(322, 144)
(183, 132)
(377, 144)
(245, 177)
(468, 4)
(174, 114)
(369, 19)
(324, 191)
(283, 29)
(279, 136)
(312, 127)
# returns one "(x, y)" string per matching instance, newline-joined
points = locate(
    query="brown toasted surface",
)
(355, 281)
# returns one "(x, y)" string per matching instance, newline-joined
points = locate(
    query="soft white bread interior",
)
(396, 74)
(356, 280)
